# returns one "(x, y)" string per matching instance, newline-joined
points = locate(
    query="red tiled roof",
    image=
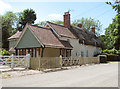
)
(61, 30)
(15, 36)
(47, 38)
(66, 44)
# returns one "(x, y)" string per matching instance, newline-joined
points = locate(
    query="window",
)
(87, 53)
(68, 53)
(82, 54)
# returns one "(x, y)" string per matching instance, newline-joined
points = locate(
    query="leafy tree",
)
(27, 16)
(87, 23)
(102, 38)
(58, 22)
(42, 23)
(8, 21)
(113, 31)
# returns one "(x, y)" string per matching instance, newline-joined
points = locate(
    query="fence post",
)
(61, 61)
(98, 59)
(39, 63)
(12, 61)
(28, 61)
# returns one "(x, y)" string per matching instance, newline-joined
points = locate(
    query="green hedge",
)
(113, 57)
(103, 58)
(112, 51)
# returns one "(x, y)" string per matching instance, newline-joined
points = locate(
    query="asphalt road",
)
(100, 75)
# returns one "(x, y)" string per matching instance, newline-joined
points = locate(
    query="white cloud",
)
(102, 34)
(4, 7)
(55, 17)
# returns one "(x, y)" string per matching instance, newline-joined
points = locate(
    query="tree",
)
(58, 22)
(27, 16)
(113, 31)
(87, 23)
(102, 38)
(42, 23)
(8, 21)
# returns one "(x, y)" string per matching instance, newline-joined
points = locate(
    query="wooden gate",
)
(15, 61)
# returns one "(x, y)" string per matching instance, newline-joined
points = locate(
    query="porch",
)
(44, 52)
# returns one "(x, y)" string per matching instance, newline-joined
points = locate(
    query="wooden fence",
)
(15, 61)
(45, 63)
(59, 62)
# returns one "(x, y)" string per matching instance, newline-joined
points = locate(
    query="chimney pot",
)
(93, 29)
(79, 25)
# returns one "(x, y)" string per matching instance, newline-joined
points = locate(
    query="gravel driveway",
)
(100, 75)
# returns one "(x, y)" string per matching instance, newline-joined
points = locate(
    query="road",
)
(100, 75)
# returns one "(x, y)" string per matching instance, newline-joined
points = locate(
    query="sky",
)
(48, 10)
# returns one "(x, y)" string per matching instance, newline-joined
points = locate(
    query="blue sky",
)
(47, 11)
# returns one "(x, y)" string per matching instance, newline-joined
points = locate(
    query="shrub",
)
(105, 51)
(4, 52)
(103, 58)
(112, 51)
(113, 57)
(118, 52)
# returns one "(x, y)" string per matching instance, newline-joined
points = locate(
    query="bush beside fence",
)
(113, 57)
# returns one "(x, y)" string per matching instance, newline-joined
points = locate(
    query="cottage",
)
(54, 40)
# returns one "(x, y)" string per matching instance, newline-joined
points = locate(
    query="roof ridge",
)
(40, 27)
(56, 24)
(84, 29)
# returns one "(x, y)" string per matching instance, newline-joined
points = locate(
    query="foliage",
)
(42, 23)
(8, 20)
(113, 31)
(113, 57)
(118, 52)
(27, 16)
(102, 55)
(103, 58)
(58, 22)
(112, 51)
(102, 38)
(87, 23)
(4, 52)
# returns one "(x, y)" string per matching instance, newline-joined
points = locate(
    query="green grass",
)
(112, 61)
(4, 75)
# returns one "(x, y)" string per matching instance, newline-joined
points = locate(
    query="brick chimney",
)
(93, 29)
(67, 19)
(79, 25)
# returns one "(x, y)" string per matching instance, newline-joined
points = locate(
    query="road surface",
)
(99, 75)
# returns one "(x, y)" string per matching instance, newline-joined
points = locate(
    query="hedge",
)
(103, 58)
(113, 57)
